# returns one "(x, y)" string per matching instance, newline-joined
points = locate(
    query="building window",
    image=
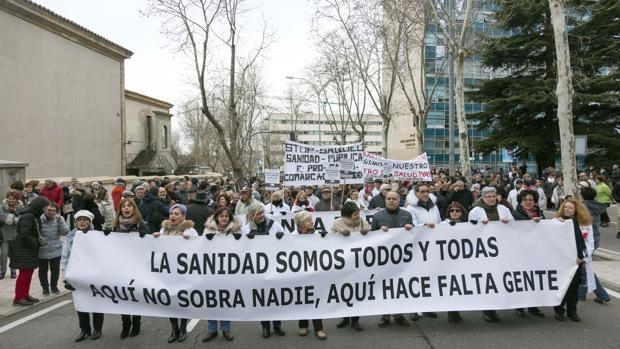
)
(165, 136)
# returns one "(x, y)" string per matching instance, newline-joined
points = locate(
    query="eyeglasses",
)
(455, 210)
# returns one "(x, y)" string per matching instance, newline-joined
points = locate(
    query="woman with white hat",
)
(83, 224)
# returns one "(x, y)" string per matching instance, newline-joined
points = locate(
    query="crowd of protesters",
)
(34, 216)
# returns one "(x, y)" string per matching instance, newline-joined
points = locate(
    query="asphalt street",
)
(600, 328)
(54, 325)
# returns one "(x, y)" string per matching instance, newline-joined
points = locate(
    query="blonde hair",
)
(582, 216)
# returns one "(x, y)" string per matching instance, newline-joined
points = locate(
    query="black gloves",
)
(106, 232)
(68, 286)
(209, 236)
(473, 221)
(279, 235)
(452, 222)
(323, 233)
(283, 213)
(142, 234)
(250, 235)
(237, 236)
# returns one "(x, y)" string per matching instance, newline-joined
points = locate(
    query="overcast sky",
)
(156, 71)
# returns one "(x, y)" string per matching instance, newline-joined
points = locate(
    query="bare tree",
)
(403, 31)
(357, 23)
(190, 24)
(294, 100)
(457, 32)
(564, 93)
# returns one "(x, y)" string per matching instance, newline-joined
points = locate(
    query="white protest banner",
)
(461, 267)
(272, 179)
(347, 169)
(376, 167)
(305, 165)
(332, 174)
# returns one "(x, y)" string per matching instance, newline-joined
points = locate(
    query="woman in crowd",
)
(604, 197)
(487, 209)
(527, 209)
(277, 207)
(25, 250)
(558, 193)
(177, 225)
(222, 223)
(354, 197)
(455, 213)
(349, 222)
(29, 193)
(9, 216)
(52, 227)
(302, 203)
(305, 225)
(83, 224)
(582, 223)
(105, 207)
(129, 220)
(223, 200)
(89, 204)
(258, 223)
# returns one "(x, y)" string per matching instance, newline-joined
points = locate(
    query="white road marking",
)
(192, 323)
(33, 316)
(614, 294)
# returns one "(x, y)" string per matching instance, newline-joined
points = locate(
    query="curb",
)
(607, 254)
(611, 285)
(17, 310)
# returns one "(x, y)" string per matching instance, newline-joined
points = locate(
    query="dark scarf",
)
(278, 203)
(491, 211)
(126, 224)
(426, 205)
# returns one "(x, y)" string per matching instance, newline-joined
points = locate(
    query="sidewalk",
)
(7, 293)
(606, 265)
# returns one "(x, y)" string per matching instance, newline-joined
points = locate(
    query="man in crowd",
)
(246, 200)
(392, 216)
(326, 203)
(378, 201)
(198, 211)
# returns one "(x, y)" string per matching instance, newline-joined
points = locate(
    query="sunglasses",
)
(455, 210)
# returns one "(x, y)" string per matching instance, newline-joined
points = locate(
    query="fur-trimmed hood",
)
(211, 227)
(179, 229)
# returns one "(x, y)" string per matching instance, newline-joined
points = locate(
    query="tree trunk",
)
(459, 96)
(564, 93)
(418, 137)
(385, 128)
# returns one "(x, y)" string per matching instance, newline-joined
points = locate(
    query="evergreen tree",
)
(521, 107)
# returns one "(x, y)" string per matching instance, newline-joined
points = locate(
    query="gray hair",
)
(253, 210)
(488, 190)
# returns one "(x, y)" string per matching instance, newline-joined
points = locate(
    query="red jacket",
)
(117, 195)
(53, 194)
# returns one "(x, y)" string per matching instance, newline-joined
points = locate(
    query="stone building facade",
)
(62, 94)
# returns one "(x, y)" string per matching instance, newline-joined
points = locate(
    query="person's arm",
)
(63, 229)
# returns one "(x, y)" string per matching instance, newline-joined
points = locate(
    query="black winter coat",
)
(24, 250)
(463, 197)
(519, 214)
(377, 201)
(99, 219)
(153, 212)
(198, 213)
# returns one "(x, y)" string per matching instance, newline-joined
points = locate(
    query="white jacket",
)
(478, 213)
(420, 215)
(277, 211)
(512, 197)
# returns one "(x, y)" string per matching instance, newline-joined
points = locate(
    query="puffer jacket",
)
(25, 248)
(107, 211)
(51, 230)
(8, 221)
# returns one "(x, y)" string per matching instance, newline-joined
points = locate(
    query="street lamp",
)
(318, 96)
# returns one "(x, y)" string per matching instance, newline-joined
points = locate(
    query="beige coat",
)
(346, 224)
